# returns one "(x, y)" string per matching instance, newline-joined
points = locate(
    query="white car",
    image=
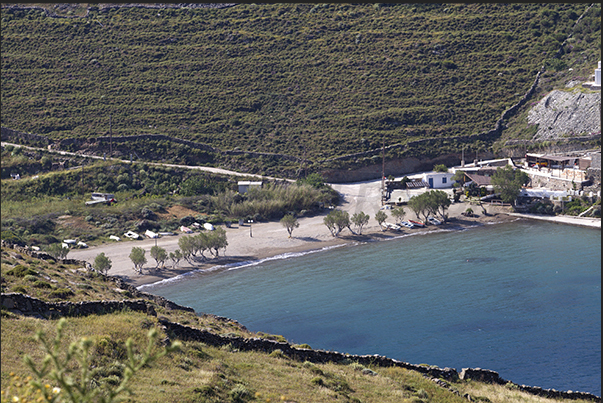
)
(114, 238)
(82, 244)
(208, 226)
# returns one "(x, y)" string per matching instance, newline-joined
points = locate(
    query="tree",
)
(57, 251)
(137, 256)
(434, 202)
(102, 263)
(185, 244)
(360, 220)
(508, 181)
(175, 257)
(438, 203)
(440, 168)
(315, 180)
(159, 254)
(459, 179)
(289, 222)
(336, 221)
(380, 217)
(217, 240)
(418, 204)
(398, 214)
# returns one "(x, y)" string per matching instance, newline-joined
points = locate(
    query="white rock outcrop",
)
(563, 114)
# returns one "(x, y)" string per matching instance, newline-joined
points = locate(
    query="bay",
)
(520, 298)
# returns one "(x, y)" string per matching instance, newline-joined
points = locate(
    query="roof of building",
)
(480, 180)
(249, 183)
(552, 157)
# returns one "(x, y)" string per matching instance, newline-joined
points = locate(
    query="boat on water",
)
(417, 223)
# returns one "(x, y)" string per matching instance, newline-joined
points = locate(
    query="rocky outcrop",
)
(563, 114)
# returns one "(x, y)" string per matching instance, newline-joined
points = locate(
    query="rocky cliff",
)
(566, 114)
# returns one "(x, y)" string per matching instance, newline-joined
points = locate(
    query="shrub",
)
(61, 293)
(20, 289)
(239, 393)
(21, 271)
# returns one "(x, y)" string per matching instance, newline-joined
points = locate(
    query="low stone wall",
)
(21, 304)
(182, 332)
(14, 136)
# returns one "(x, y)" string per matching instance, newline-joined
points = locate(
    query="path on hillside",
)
(201, 168)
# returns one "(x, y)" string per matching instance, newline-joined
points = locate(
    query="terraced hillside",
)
(310, 81)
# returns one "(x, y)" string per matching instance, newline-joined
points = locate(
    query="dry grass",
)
(503, 394)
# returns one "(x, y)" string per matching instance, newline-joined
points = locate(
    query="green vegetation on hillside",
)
(308, 80)
(45, 208)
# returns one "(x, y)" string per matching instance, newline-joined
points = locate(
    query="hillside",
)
(219, 359)
(312, 82)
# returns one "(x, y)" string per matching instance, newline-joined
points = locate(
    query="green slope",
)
(327, 80)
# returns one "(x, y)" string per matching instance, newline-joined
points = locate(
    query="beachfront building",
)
(244, 186)
(438, 180)
(557, 171)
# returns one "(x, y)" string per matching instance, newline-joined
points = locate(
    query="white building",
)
(244, 186)
(439, 180)
(598, 75)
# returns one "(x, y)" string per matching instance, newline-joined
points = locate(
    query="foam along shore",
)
(562, 219)
(267, 241)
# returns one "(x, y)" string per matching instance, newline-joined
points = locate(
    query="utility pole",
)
(110, 134)
(383, 171)
(463, 157)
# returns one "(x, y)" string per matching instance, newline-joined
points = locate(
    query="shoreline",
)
(251, 243)
(302, 245)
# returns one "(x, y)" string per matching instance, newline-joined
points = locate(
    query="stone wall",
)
(21, 304)
(14, 136)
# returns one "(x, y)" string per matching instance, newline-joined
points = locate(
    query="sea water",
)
(520, 298)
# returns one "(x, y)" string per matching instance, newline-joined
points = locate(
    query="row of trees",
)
(432, 203)
(190, 247)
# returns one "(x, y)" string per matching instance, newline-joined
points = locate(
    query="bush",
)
(239, 393)
(61, 293)
(20, 289)
(21, 271)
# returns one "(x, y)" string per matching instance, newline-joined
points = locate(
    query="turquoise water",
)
(521, 298)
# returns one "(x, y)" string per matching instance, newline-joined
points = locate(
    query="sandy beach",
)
(256, 241)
